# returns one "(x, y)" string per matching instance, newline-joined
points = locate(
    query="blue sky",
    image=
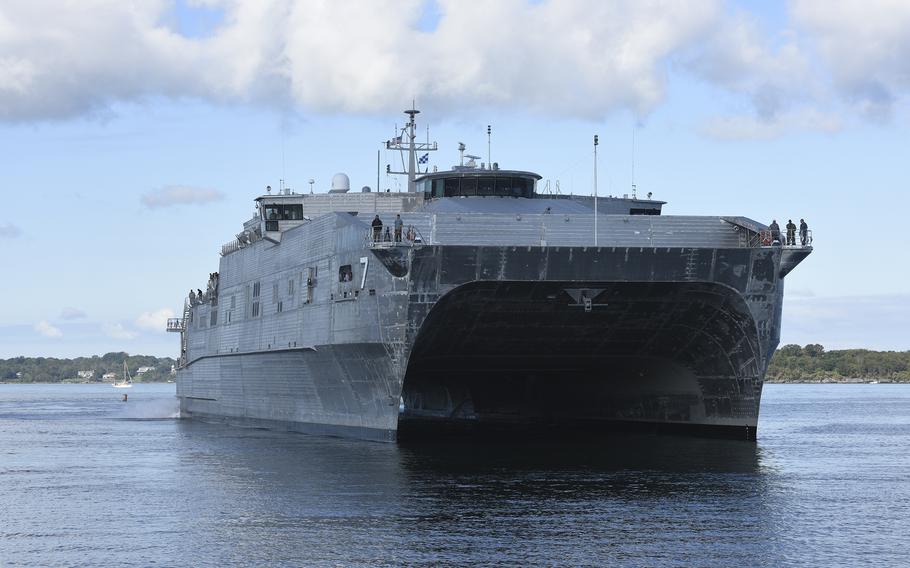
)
(133, 139)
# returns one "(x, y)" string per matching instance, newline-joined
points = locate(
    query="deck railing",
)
(767, 238)
(409, 237)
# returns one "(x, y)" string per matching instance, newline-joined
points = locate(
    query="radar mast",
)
(405, 140)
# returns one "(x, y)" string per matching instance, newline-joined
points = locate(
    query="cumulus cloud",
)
(47, 330)
(865, 45)
(155, 320)
(69, 313)
(117, 331)
(9, 231)
(580, 58)
(751, 127)
(739, 56)
(172, 195)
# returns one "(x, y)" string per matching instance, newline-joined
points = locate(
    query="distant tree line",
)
(790, 364)
(795, 364)
(52, 370)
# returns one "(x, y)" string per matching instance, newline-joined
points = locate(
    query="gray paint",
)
(338, 356)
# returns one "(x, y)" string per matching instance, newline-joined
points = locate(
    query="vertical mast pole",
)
(489, 158)
(596, 141)
(412, 153)
(377, 170)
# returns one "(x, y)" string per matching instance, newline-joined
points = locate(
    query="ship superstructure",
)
(490, 306)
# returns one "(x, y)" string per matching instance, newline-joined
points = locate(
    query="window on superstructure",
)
(255, 309)
(345, 273)
(227, 316)
(280, 307)
(485, 186)
(256, 290)
(214, 319)
(283, 212)
(291, 287)
(469, 186)
(274, 292)
(233, 301)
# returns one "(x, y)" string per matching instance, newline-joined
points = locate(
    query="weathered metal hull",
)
(668, 338)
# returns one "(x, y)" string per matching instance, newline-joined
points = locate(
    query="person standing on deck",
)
(377, 228)
(803, 232)
(398, 225)
(775, 231)
(791, 232)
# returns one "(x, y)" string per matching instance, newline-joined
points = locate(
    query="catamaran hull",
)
(665, 340)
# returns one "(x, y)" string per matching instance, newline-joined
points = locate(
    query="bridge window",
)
(486, 186)
(275, 212)
(345, 273)
(467, 186)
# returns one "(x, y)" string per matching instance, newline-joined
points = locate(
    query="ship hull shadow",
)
(569, 359)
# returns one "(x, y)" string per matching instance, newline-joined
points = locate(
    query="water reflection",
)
(458, 502)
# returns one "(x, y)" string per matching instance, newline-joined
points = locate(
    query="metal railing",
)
(767, 238)
(409, 237)
(176, 325)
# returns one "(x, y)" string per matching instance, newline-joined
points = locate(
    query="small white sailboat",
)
(126, 381)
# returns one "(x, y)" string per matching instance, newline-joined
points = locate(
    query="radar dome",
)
(341, 183)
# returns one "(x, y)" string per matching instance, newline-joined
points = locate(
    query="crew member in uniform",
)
(803, 232)
(791, 232)
(377, 228)
(775, 231)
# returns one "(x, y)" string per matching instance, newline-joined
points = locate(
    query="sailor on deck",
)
(398, 225)
(775, 231)
(791, 232)
(377, 228)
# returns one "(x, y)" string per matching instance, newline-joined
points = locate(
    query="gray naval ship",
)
(489, 305)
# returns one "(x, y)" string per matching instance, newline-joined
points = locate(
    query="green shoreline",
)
(810, 364)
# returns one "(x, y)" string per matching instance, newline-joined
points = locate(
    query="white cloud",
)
(864, 44)
(9, 231)
(580, 58)
(117, 331)
(69, 313)
(47, 330)
(172, 195)
(773, 72)
(156, 320)
(747, 127)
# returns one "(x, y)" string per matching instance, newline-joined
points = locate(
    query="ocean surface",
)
(87, 480)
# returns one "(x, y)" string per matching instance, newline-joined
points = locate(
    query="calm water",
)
(88, 480)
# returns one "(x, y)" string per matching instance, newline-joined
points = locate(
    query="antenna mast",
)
(406, 141)
(633, 162)
(489, 159)
(596, 142)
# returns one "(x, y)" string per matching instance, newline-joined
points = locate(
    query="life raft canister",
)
(765, 237)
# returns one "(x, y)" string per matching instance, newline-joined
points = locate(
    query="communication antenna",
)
(633, 161)
(596, 142)
(311, 182)
(489, 159)
(405, 142)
